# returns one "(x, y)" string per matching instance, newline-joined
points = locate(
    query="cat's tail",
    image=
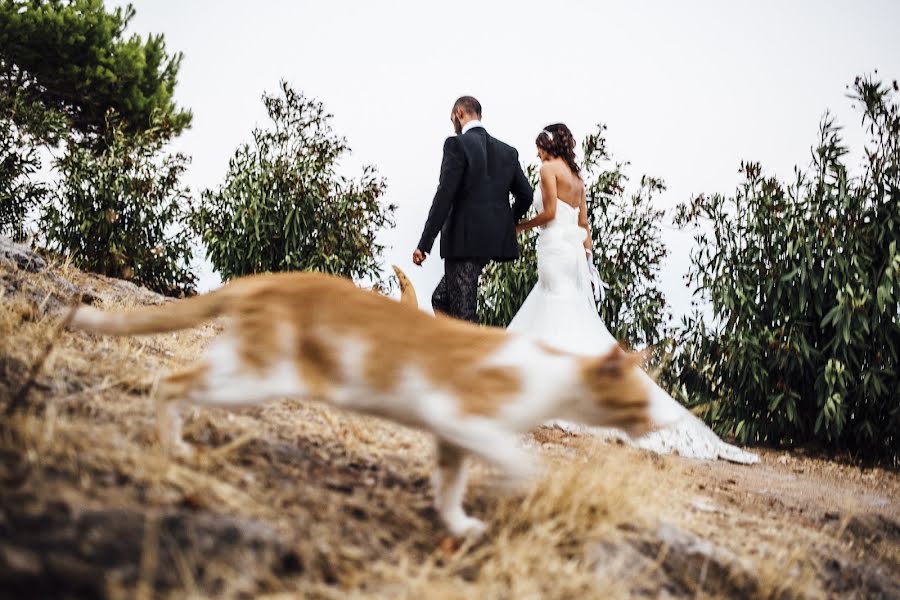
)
(181, 314)
(407, 291)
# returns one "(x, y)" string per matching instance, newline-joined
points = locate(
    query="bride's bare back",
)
(559, 182)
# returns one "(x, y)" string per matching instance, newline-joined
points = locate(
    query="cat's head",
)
(616, 392)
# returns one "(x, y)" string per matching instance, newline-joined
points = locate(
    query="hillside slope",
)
(298, 498)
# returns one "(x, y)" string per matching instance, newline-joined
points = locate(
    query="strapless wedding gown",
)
(560, 312)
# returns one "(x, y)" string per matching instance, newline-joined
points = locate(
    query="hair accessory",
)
(549, 134)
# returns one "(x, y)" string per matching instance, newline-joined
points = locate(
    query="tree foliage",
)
(283, 205)
(628, 253)
(628, 246)
(19, 193)
(66, 64)
(66, 72)
(803, 278)
(123, 211)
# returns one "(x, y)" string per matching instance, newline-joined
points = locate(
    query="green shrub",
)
(803, 278)
(283, 206)
(122, 211)
(19, 193)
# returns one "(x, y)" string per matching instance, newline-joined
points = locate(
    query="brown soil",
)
(296, 499)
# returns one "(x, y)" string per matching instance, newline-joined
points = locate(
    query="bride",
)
(560, 310)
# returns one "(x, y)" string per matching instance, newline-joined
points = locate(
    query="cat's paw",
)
(467, 527)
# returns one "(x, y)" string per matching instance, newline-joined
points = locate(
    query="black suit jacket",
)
(471, 207)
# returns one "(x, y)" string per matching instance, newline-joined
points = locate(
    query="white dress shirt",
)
(470, 125)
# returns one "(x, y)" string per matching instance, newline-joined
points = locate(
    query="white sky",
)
(688, 89)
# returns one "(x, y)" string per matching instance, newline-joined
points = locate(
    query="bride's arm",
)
(548, 193)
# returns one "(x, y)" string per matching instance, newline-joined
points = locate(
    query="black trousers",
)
(457, 293)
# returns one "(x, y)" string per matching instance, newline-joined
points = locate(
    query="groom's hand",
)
(419, 257)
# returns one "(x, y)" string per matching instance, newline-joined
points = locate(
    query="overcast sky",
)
(688, 89)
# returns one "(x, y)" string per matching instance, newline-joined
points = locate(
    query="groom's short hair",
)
(469, 104)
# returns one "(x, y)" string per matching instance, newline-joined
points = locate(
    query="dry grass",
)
(541, 543)
(333, 505)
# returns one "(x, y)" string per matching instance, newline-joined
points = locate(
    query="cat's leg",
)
(174, 389)
(210, 385)
(450, 489)
(505, 451)
(169, 425)
(482, 437)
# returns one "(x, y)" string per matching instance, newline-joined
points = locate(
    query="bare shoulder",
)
(550, 168)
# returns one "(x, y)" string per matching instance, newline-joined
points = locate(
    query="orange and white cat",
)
(321, 337)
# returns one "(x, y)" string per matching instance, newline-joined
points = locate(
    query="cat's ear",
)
(616, 362)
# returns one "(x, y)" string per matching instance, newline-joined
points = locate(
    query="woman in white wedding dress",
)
(560, 310)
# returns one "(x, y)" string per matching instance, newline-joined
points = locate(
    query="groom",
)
(471, 209)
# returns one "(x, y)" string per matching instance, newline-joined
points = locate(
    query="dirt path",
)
(834, 527)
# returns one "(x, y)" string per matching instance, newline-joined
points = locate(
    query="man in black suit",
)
(471, 209)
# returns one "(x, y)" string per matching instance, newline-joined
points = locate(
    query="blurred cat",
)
(321, 337)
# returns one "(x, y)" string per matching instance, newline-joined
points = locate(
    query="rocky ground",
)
(296, 499)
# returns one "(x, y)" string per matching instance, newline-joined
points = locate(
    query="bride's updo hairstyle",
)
(558, 141)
